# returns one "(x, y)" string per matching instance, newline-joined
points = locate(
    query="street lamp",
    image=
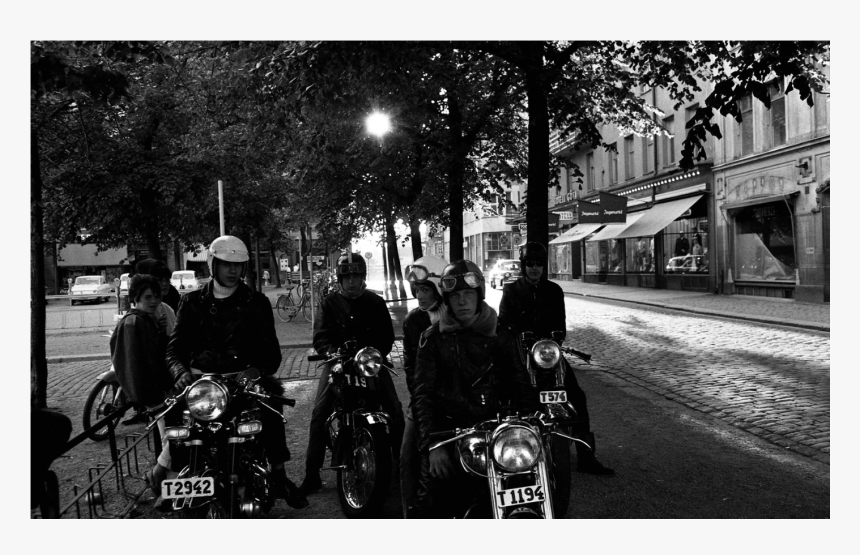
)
(378, 124)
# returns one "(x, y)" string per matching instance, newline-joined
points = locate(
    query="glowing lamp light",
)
(378, 124)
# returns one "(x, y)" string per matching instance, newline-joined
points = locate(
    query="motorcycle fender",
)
(109, 376)
(372, 418)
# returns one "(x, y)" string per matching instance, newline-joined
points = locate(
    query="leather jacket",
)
(535, 308)
(463, 376)
(364, 319)
(224, 335)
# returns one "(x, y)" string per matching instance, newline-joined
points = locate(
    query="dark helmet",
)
(533, 251)
(351, 263)
(152, 267)
(462, 274)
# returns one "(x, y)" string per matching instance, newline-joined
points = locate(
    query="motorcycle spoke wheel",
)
(103, 400)
(362, 490)
(559, 469)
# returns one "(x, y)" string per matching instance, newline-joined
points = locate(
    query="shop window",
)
(775, 117)
(640, 255)
(764, 243)
(668, 142)
(616, 255)
(559, 261)
(595, 257)
(685, 247)
(628, 157)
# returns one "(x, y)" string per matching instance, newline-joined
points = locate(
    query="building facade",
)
(752, 219)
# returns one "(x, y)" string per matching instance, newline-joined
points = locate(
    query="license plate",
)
(547, 397)
(355, 381)
(188, 487)
(520, 496)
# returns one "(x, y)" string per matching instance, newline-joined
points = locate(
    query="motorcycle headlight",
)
(546, 354)
(207, 400)
(473, 454)
(516, 448)
(369, 362)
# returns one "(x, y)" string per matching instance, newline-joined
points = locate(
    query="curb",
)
(704, 312)
(106, 356)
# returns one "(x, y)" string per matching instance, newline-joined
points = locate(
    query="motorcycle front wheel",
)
(104, 399)
(362, 490)
(559, 470)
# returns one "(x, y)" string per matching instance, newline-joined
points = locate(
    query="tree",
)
(577, 87)
(62, 78)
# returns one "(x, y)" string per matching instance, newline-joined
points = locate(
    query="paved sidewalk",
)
(741, 307)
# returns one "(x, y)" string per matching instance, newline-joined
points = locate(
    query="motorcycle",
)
(227, 475)
(358, 430)
(522, 461)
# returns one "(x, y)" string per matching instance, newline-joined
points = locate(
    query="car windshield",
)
(511, 266)
(183, 275)
(87, 281)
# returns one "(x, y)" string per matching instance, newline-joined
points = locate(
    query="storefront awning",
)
(611, 231)
(576, 233)
(658, 217)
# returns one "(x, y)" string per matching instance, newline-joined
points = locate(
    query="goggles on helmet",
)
(345, 269)
(418, 273)
(471, 279)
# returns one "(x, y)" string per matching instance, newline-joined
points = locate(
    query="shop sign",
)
(565, 216)
(589, 212)
(613, 208)
(522, 227)
(552, 223)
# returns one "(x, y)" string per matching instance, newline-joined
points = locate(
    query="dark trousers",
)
(410, 465)
(324, 405)
(576, 396)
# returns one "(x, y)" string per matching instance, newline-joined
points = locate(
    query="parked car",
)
(123, 284)
(684, 265)
(184, 280)
(91, 285)
(505, 271)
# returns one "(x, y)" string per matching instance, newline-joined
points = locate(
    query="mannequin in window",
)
(682, 245)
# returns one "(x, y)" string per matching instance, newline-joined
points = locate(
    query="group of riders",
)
(461, 358)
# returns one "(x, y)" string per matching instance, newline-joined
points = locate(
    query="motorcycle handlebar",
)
(314, 358)
(579, 354)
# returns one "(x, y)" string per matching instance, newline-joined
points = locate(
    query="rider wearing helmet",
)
(533, 303)
(424, 277)
(466, 371)
(226, 327)
(351, 313)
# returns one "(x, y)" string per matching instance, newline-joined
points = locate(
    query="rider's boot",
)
(286, 489)
(586, 462)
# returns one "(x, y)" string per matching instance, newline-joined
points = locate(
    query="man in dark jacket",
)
(351, 313)
(224, 328)
(467, 369)
(535, 304)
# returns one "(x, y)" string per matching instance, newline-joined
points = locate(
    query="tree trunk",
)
(38, 357)
(303, 250)
(415, 236)
(178, 255)
(384, 261)
(456, 175)
(276, 266)
(537, 221)
(395, 255)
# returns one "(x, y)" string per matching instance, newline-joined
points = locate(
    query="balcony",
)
(558, 147)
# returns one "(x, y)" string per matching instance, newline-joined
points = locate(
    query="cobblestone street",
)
(771, 381)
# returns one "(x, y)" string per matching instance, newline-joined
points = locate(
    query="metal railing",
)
(100, 495)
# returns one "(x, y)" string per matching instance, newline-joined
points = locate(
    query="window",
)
(668, 143)
(744, 128)
(628, 157)
(764, 243)
(589, 168)
(640, 255)
(613, 164)
(647, 154)
(822, 113)
(775, 117)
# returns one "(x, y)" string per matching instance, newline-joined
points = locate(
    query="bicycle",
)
(287, 307)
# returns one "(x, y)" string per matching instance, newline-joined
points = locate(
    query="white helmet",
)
(228, 249)
(426, 269)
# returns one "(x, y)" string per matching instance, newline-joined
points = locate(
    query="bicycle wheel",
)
(306, 307)
(286, 308)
